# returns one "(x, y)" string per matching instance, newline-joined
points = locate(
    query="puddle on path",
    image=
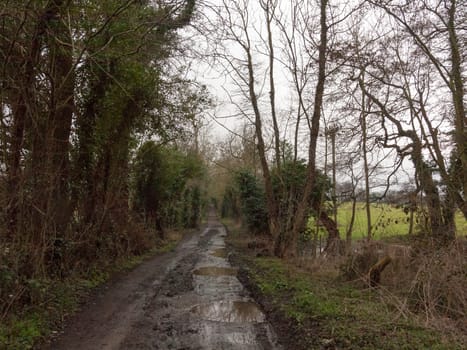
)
(220, 253)
(215, 271)
(241, 338)
(230, 311)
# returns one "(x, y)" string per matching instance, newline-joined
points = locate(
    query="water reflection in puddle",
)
(220, 253)
(242, 338)
(230, 311)
(245, 337)
(215, 271)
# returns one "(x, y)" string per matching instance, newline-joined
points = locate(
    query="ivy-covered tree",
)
(230, 206)
(196, 203)
(82, 83)
(252, 201)
(289, 184)
(166, 186)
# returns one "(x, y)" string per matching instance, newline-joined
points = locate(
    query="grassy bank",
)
(338, 315)
(52, 300)
(314, 309)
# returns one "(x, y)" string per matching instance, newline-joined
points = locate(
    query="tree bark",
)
(62, 72)
(348, 235)
(269, 8)
(302, 209)
(22, 108)
(272, 206)
(374, 275)
(457, 89)
(84, 181)
(366, 169)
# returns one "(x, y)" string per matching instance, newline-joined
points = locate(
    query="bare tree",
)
(435, 28)
(314, 123)
(414, 149)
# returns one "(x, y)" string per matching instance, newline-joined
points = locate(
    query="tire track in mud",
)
(195, 302)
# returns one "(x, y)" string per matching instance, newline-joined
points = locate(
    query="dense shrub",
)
(252, 200)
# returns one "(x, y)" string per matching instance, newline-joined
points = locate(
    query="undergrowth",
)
(332, 313)
(38, 306)
(342, 316)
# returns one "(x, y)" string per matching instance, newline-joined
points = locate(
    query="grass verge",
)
(316, 310)
(54, 300)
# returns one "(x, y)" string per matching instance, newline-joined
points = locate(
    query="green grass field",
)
(387, 221)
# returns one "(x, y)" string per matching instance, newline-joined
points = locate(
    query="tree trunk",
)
(62, 71)
(272, 206)
(334, 194)
(428, 186)
(302, 209)
(269, 8)
(457, 89)
(366, 169)
(22, 108)
(374, 275)
(412, 209)
(348, 235)
(84, 181)
(333, 243)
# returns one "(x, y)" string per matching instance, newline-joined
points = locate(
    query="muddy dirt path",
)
(187, 299)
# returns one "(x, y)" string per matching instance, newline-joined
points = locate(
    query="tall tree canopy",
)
(82, 84)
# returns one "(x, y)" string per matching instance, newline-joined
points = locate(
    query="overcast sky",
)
(226, 94)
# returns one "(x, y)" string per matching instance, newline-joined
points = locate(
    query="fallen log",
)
(374, 275)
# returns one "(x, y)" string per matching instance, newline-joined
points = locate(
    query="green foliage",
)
(185, 214)
(195, 207)
(455, 169)
(91, 80)
(230, 203)
(288, 186)
(291, 179)
(314, 231)
(151, 176)
(166, 185)
(252, 201)
(21, 334)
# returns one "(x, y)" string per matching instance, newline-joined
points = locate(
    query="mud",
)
(220, 253)
(230, 311)
(215, 271)
(188, 299)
